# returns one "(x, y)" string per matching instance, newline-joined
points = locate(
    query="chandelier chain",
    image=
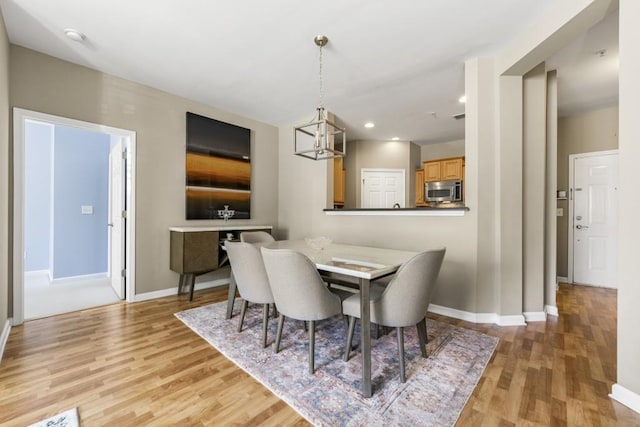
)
(320, 75)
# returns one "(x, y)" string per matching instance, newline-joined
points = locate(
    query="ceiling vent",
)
(458, 116)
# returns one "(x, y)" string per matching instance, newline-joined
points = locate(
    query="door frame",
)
(570, 222)
(20, 117)
(404, 182)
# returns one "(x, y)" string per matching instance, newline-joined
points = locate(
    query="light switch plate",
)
(559, 212)
(86, 210)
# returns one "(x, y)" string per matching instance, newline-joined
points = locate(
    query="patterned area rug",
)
(436, 390)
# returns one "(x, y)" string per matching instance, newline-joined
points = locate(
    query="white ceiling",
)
(394, 63)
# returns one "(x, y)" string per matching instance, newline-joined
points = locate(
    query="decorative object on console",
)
(218, 169)
(226, 213)
(320, 139)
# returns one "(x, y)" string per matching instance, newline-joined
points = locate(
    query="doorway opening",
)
(74, 196)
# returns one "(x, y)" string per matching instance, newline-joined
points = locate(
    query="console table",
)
(195, 250)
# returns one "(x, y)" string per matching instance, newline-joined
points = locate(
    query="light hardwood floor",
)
(136, 364)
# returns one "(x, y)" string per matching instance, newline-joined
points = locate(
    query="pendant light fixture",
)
(320, 139)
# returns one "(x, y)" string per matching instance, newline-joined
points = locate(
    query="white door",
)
(595, 209)
(382, 188)
(116, 220)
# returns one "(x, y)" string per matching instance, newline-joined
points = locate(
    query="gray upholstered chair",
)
(256, 237)
(403, 302)
(251, 280)
(299, 293)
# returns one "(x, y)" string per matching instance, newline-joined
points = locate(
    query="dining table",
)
(358, 265)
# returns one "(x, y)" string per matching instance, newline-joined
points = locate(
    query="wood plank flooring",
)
(136, 364)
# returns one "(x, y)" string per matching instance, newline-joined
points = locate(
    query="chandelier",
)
(320, 139)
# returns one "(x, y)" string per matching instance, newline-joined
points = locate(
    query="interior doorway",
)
(88, 241)
(383, 188)
(593, 213)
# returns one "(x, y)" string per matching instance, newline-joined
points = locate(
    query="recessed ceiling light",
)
(395, 138)
(369, 125)
(74, 35)
(462, 99)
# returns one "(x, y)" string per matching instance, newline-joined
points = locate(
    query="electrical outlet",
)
(86, 210)
(559, 212)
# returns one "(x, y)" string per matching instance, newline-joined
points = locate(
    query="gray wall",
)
(581, 133)
(45, 84)
(5, 259)
(81, 178)
(38, 153)
(443, 150)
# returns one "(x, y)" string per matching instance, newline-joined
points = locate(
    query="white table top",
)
(356, 261)
(191, 229)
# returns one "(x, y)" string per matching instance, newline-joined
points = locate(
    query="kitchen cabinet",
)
(339, 182)
(443, 169)
(420, 188)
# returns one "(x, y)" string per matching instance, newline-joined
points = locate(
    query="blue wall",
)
(37, 195)
(81, 178)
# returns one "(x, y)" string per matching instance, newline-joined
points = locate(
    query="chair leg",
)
(347, 347)
(243, 310)
(275, 311)
(401, 352)
(421, 326)
(312, 345)
(279, 333)
(265, 323)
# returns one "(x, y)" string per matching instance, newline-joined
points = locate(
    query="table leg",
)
(365, 336)
(192, 281)
(231, 296)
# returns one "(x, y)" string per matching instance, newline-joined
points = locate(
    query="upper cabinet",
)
(443, 169)
(420, 188)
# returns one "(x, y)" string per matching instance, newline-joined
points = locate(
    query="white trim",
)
(572, 158)
(551, 310)
(59, 280)
(511, 320)
(562, 279)
(37, 273)
(20, 116)
(398, 212)
(5, 336)
(535, 316)
(173, 291)
(626, 397)
(463, 315)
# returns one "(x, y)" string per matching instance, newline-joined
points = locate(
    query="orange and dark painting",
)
(218, 165)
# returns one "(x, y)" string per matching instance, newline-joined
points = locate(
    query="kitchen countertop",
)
(456, 210)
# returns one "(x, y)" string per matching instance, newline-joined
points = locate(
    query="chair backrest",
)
(256, 237)
(406, 298)
(298, 289)
(249, 273)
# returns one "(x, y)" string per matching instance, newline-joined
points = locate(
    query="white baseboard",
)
(561, 279)
(515, 320)
(535, 316)
(82, 277)
(511, 320)
(174, 291)
(4, 337)
(551, 310)
(626, 397)
(36, 273)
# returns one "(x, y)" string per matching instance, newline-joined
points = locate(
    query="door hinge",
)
(124, 214)
(123, 273)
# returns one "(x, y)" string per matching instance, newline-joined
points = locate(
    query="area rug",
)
(65, 419)
(436, 390)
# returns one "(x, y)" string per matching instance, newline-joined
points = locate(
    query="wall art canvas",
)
(218, 169)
